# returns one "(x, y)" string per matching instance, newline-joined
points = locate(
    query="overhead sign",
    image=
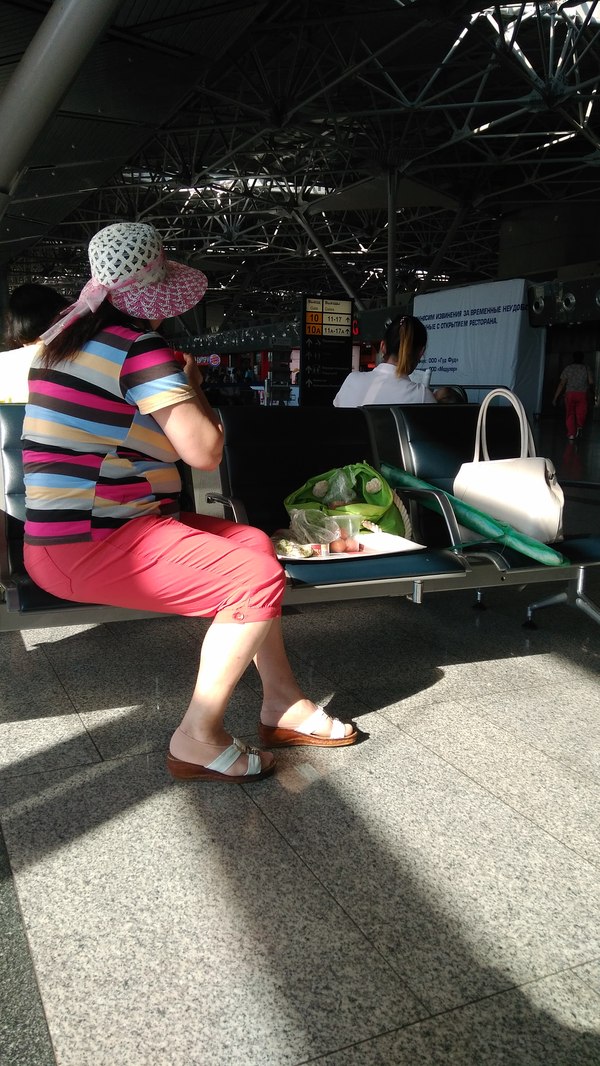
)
(208, 360)
(325, 348)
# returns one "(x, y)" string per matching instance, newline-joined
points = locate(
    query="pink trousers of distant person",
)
(576, 404)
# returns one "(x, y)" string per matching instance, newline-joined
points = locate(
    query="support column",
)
(392, 190)
(41, 79)
(3, 299)
(439, 255)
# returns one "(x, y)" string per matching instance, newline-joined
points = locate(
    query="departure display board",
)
(325, 349)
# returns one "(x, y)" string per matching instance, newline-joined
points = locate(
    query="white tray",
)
(373, 544)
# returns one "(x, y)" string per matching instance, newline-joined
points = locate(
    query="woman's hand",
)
(193, 372)
(190, 368)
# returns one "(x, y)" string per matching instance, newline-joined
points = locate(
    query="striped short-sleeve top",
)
(93, 456)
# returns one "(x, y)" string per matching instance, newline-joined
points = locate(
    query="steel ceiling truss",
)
(495, 108)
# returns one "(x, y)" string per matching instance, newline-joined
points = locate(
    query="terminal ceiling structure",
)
(341, 147)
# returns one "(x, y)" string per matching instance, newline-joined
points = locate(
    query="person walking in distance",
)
(575, 381)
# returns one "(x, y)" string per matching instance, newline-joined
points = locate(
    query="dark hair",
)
(31, 309)
(405, 339)
(72, 339)
(578, 357)
(449, 394)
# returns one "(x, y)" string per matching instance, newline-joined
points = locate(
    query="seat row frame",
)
(257, 438)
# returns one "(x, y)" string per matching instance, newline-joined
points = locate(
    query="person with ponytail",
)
(389, 383)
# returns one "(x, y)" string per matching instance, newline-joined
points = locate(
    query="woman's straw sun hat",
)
(129, 267)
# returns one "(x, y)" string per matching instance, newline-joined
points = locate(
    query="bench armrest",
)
(232, 504)
(4, 562)
(445, 509)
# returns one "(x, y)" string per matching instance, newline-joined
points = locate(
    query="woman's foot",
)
(230, 761)
(304, 724)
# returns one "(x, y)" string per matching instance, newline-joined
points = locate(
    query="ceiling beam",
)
(52, 60)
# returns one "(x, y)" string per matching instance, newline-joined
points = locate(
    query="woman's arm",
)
(192, 426)
(559, 389)
(193, 431)
(196, 380)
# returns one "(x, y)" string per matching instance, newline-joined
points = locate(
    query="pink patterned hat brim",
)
(180, 290)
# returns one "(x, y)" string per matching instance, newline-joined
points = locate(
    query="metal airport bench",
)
(269, 452)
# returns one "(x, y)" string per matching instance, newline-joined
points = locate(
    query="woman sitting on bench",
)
(389, 383)
(110, 411)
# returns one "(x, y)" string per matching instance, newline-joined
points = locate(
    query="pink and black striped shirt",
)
(93, 455)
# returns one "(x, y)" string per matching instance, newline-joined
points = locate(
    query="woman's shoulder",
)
(350, 390)
(131, 334)
(126, 343)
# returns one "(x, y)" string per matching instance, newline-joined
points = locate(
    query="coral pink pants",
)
(197, 565)
(576, 404)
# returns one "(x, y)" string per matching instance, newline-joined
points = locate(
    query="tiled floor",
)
(430, 896)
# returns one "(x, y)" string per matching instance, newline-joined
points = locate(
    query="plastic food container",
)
(349, 523)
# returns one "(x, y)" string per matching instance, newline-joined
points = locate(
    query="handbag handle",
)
(527, 444)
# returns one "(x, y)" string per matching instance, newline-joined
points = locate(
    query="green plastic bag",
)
(356, 489)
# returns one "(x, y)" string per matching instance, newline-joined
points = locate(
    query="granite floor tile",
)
(148, 726)
(581, 663)
(44, 744)
(589, 973)
(141, 998)
(466, 681)
(360, 666)
(561, 720)
(24, 1036)
(72, 814)
(142, 679)
(42, 695)
(145, 661)
(173, 923)
(343, 638)
(130, 682)
(34, 638)
(545, 1023)
(131, 730)
(556, 798)
(462, 896)
(406, 654)
(323, 914)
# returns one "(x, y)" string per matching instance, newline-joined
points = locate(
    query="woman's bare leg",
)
(284, 703)
(227, 650)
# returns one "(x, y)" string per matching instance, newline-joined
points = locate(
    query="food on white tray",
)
(374, 543)
(292, 550)
(346, 542)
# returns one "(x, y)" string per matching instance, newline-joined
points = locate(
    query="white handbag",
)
(523, 492)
